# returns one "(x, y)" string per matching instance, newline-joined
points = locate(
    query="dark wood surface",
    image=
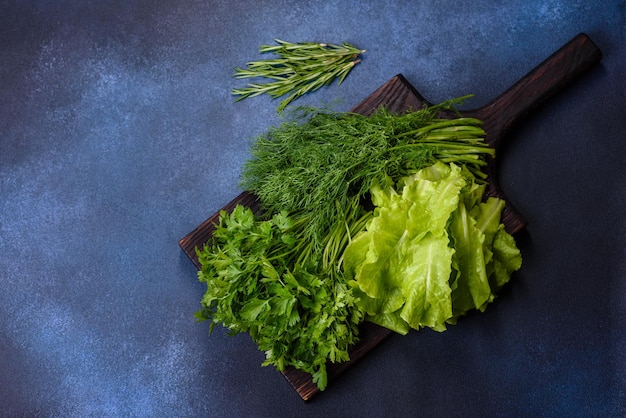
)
(499, 115)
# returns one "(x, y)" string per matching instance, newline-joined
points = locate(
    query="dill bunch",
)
(320, 166)
(297, 69)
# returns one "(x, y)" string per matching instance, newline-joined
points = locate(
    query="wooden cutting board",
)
(499, 115)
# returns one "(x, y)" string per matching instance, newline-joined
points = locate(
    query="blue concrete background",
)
(118, 136)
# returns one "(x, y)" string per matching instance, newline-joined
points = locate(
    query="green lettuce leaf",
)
(506, 258)
(404, 257)
(471, 284)
(432, 251)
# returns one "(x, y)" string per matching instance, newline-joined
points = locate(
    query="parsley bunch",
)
(300, 315)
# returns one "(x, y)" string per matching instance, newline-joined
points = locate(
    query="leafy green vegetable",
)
(298, 69)
(323, 162)
(299, 315)
(380, 217)
(428, 253)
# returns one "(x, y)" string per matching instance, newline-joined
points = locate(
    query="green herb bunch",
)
(299, 314)
(279, 275)
(326, 162)
(299, 68)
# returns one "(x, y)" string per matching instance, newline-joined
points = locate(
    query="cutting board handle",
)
(550, 76)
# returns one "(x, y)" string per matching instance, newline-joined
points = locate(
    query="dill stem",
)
(446, 123)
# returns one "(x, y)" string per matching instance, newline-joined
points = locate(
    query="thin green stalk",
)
(299, 68)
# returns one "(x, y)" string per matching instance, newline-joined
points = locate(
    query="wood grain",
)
(499, 115)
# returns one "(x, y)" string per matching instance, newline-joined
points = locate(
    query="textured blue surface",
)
(118, 136)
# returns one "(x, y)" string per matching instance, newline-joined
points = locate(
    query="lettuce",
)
(432, 251)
